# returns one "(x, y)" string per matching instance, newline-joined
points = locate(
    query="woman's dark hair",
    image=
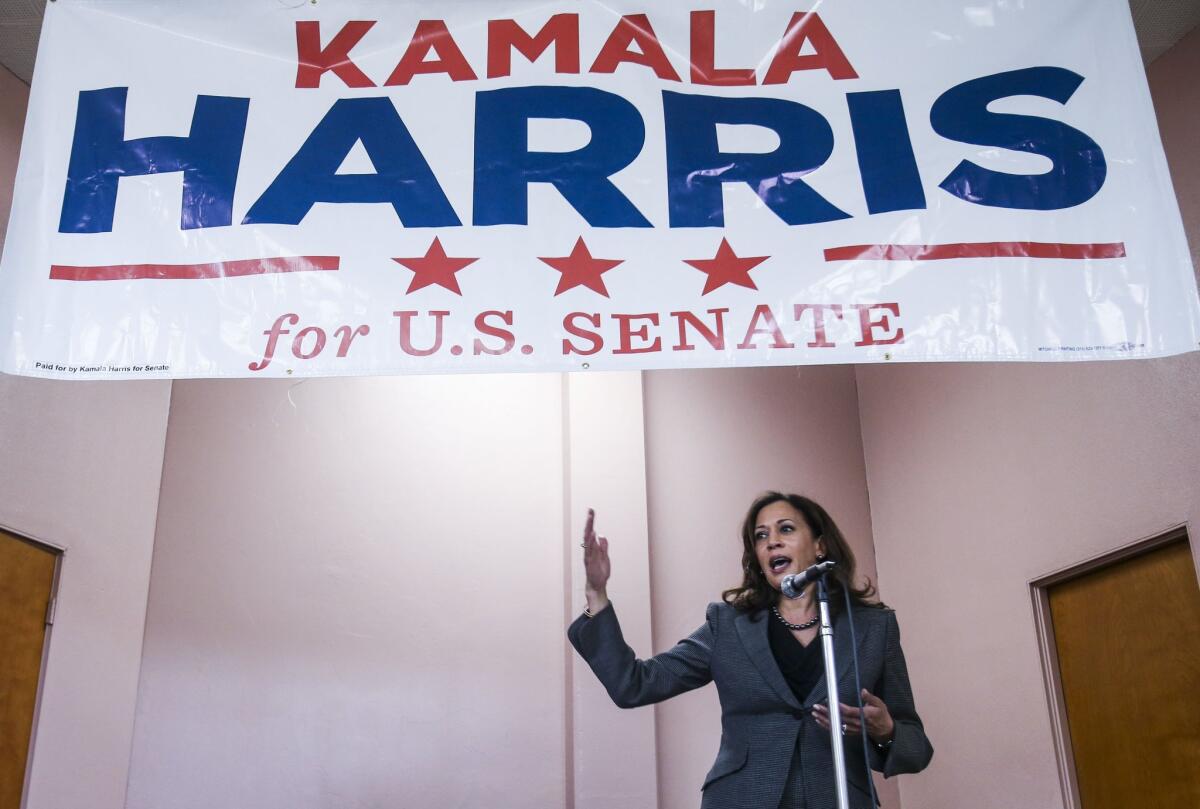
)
(755, 593)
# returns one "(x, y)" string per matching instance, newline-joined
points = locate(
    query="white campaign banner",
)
(262, 188)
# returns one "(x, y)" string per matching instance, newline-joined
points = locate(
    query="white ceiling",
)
(1160, 24)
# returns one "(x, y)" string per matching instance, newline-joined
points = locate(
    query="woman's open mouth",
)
(778, 564)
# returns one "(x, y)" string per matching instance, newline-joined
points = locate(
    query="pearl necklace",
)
(795, 627)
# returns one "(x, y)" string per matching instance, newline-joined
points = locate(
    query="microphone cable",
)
(858, 689)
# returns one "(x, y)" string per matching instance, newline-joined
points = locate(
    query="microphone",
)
(792, 586)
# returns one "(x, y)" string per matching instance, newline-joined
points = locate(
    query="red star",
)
(726, 268)
(435, 267)
(581, 270)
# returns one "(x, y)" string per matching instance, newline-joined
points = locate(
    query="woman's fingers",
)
(876, 712)
(872, 700)
(881, 722)
(850, 717)
(596, 567)
(869, 709)
(595, 554)
(851, 722)
(589, 533)
(852, 710)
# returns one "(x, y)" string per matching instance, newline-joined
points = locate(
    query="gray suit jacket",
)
(762, 722)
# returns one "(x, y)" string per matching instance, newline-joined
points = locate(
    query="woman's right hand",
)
(596, 566)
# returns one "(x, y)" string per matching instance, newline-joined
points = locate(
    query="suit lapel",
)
(843, 657)
(753, 635)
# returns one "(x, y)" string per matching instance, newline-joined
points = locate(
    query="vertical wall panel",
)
(613, 749)
(357, 597)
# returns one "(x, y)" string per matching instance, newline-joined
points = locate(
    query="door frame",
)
(1039, 590)
(59, 552)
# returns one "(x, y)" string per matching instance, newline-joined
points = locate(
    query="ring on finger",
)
(843, 728)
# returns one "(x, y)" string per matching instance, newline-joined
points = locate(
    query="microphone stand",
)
(835, 710)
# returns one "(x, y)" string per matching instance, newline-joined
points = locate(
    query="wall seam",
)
(137, 695)
(862, 440)
(568, 667)
(658, 763)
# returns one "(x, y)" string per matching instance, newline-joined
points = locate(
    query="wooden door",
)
(1128, 643)
(26, 585)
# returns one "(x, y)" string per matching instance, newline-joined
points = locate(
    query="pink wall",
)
(984, 477)
(361, 588)
(81, 472)
(612, 751)
(357, 597)
(714, 441)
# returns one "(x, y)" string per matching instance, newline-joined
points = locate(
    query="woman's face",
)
(783, 542)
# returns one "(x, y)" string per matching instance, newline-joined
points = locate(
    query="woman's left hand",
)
(880, 726)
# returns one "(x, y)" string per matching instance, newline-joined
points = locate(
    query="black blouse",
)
(802, 666)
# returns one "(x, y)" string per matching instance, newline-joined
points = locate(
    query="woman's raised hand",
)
(596, 565)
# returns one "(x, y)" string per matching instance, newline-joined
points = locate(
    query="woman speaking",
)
(758, 647)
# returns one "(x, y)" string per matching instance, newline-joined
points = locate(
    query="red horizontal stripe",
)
(933, 252)
(216, 269)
